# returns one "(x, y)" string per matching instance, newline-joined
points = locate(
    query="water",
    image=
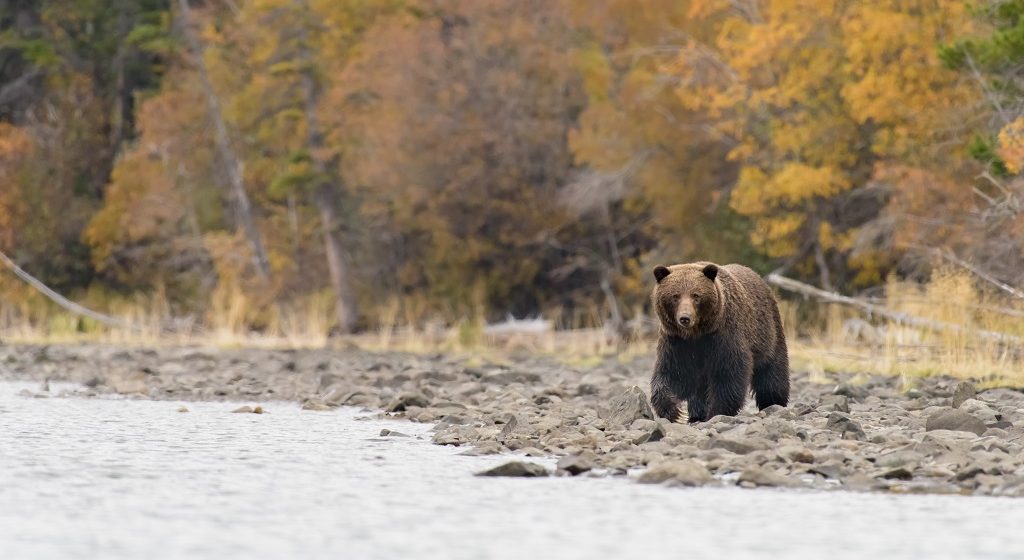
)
(105, 478)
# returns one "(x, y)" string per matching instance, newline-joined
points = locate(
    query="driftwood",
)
(791, 285)
(951, 257)
(61, 300)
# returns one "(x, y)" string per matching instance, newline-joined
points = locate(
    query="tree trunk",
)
(328, 200)
(232, 164)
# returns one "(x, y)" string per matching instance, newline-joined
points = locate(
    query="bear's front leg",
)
(663, 398)
(697, 404)
(728, 380)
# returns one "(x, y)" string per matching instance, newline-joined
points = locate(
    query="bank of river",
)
(841, 431)
(110, 477)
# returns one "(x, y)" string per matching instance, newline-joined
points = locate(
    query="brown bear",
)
(721, 337)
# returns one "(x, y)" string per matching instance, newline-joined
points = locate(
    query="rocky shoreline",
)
(853, 432)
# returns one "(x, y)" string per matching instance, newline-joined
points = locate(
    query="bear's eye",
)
(695, 297)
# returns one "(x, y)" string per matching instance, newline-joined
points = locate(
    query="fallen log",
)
(61, 300)
(796, 286)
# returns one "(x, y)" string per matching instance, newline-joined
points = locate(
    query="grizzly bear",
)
(721, 337)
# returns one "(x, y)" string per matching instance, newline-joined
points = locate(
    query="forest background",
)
(349, 165)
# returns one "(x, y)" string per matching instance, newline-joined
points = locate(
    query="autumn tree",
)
(989, 55)
(819, 99)
(69, 74)
(461, 114)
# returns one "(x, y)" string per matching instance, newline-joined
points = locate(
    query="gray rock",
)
(964, 390)
(846, 427)
(774, 410)
(484, 448)
(830, 470)
(899, 473)
(683, 433)
(517, 469)
(392, 433)
(739, 446)
(796, 453)
(516, 426)
(509, 377)
(686, 472)
(759, 476)
(954, 419)
(651, 433)
(856, 392)
(861, 482)
(834, 403)
(630, 406)
(455, 435)
(899, 458)
(981, 411)
(406, 400)
(578, 464)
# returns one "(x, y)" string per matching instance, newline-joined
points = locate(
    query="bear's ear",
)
(660, 272)
(711, 271)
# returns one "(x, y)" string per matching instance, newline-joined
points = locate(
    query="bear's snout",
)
(685, 319)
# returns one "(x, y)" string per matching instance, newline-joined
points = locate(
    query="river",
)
(118, 478)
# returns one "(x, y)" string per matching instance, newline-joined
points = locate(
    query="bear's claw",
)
(682, 417)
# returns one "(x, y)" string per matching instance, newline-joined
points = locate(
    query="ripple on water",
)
(121, 478)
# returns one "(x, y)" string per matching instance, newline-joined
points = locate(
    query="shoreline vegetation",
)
(950, 326)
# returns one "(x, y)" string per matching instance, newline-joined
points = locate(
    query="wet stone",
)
(685, 472)
(577, 464)
(406, 400)
(759, 476)
(516, 469)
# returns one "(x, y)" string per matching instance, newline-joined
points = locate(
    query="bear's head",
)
(687, 298)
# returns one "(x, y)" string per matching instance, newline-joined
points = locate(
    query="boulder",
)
(955, 420)
(629, 406)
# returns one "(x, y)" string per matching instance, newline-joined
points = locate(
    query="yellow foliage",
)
(1011, 145)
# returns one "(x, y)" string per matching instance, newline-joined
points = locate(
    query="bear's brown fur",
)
(721, 337)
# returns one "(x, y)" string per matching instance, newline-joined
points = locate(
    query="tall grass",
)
(837, 339)
(823, 338)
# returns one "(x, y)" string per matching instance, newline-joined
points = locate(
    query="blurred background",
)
(303, 168)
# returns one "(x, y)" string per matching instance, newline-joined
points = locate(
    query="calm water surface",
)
(106, 478)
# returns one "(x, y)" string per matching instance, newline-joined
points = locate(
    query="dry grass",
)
(823, 338)
(845, 342)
